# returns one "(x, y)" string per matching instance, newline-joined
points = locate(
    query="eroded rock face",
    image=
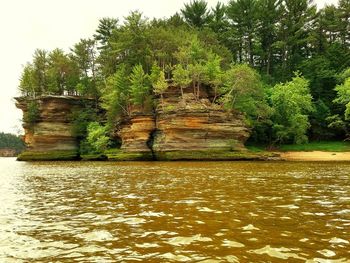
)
(52, 130)
(135, 133)
(198, 126)
(179, 128)
(185, 125)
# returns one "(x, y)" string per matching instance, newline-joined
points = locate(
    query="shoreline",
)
(192, 156)
(314, 156)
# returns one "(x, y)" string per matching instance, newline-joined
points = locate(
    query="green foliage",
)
(213, 73)
(343, 96)
(11, 141)
(181, 77)
(196, 13)
(80, 121)
(105, 30)
(97, 140)
(292, 102)
(32, 113)
(122, 61)
(328, 146)
(115, 97)
(160, 86)
(242, 15)
(62, 73)
(319, 129)
(140, 86)
(155, 73)
(27, 85)
(242, 90)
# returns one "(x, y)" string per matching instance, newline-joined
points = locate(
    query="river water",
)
(174, 212)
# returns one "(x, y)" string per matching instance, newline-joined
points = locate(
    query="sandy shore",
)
(315, 156)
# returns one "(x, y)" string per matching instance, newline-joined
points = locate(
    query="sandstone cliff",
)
(185, 128)
(178, 128)
(50, 135)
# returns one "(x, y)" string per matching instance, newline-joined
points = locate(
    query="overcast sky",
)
(29, 24)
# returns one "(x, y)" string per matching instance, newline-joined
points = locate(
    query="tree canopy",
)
(244, 52)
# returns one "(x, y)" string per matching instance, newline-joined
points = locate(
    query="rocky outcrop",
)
(136, 133)
(50, 136)
(198, 126)
(178, 128)
(186, 128)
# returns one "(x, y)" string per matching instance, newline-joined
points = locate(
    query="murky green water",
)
(183, 211)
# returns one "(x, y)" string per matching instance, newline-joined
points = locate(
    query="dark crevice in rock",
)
(150, 143)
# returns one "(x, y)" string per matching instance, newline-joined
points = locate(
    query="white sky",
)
(29, 24)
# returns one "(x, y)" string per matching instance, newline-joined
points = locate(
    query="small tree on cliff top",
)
(160, 86)
(213, 73)
(242, 89)
(158, 81)
(116, 95)
(181, 77)
(140, 86)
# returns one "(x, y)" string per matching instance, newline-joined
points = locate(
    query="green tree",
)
(97, 137)
(85, 56)
(181, 78)
(292, 102)
(32, 113)
(242, 89)
(343, 96)
(213, 73)
(242, 17)
(62, 73)
(293, 32)
(105, 29)
(40, 67)
(27, 85)
(196, 13)
(11, 141)
(219, 22)
(115, 97)
(160, 86)
(267, 18)
(140, 86)
(133, 40)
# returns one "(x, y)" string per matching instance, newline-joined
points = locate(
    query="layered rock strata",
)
(186, 129)
(50, 135)
(179, 128)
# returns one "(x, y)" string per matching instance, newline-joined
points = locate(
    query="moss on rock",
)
(213, 155)
(48, 155)
(120, 155)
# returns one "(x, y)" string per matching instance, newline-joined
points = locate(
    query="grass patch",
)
(212, 155)
(48, 156)
(255, 148)
(327, 146)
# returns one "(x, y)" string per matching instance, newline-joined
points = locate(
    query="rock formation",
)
(50, 135)
(185, 128)
(179, 128)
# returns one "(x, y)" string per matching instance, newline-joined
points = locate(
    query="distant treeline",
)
(11, 141)
(283, 63)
